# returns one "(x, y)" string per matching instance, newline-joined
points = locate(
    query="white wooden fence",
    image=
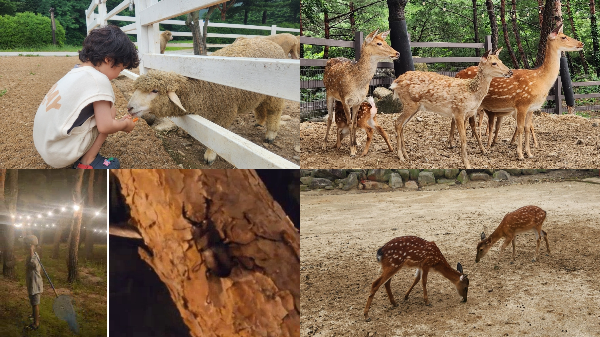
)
(274, 77)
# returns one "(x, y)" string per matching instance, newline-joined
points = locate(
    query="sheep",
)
(165, 37)
(288, 42)
(170, 94)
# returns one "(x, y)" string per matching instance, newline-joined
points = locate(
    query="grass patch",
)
(49, 48)
(88, 294)
(3, 92)
(583, 114)
(177, 48)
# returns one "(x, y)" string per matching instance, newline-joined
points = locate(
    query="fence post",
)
(488, 43)
(557, 100)
(273, 29)
(142, 33)
(358, 40)
(102, 13)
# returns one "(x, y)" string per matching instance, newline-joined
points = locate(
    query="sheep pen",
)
(26, 80)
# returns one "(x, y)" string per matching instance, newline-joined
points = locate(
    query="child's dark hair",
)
(110, 42)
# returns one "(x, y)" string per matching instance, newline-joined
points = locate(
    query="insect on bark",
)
(209, 243)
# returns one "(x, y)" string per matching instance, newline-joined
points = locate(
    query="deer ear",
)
(175, 99)
(459, 268)
(482, 236)
(384, 34)
(498, 51)
(371, 36)
(555, 31)
(485, 56)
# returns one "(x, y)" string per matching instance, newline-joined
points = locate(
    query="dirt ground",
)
(28, 79)
(565, 141)
(558, 295)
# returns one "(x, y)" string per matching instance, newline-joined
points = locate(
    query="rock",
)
(381, 92)
(479, 176)
(395, 181)
(379, 175)
(449, 182)
(285, 117)
(329, 187)
(419, 119)
(404, 174)
(579, 142)
(304, 188)
(501, 175)
(489, 171)
(594, 124)
(437, 173)
(462, 177)
(513, 172)
(426, 178)
(330, 174)
(451, 173)
(164, 125)
(414, 174)
(388, 104)
(542, 170)
(411, 185)
(529, 171)
(374, 185)
(306, 180)
(305, 173)
(350, 182)
(297, 148)
(296, 158)
(319, 183)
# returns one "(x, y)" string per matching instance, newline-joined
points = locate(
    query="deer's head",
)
(462, 286)
(483, 247)
(490, 64)
(376, 46)
(561, 42)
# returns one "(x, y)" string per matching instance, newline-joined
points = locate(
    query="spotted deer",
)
(450, 97)
(528, 218)
(366, 119)
(348, 81)
(412, 251)
(526, 91)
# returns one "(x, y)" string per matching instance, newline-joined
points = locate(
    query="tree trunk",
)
(475, 29)
(594, 31)
(57, 234)
(205, 29)
(581, 54)
(513, 15)
(192, 21)
(540, 15)
(264, 17)
(11, 193)
(88, 252)
(505, 33)
(75, 229)
(493, 23)
(326, 49)
(2, 179)
(544, 31)
(235, 213)
(352, 20)
(245, 16)
(399, 36)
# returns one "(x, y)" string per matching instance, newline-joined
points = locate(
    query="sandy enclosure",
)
(565, 141)
(28, 79)
(558, 295)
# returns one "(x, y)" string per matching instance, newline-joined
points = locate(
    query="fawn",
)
(528, 218)
(348, 81)
(451, 97)
(526, 91)
(366, 119)
(412, 251)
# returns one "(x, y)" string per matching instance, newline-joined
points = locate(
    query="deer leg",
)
(521, 119)
(451, 137)
(476, 134)
(480, 123)
(388, 289)
(424, 281)
(385, 136)
(354, 114)
(513, 244)
(417, 279)
(535, 142)
(408, 111)
(369, 131)
(504, 245)
(528, 120)
(330, 110)
(498, 124)
(340, 136)
(385, 276)
(546, 239)
(490, 126)
(460, 124)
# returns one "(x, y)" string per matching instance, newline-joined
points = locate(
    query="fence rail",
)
(266, 76)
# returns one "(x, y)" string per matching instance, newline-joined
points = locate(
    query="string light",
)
(49, 213)
(39, 216)
(28, 217)
(98, 213)
(13, 216)
(76, 207)
(62, 209)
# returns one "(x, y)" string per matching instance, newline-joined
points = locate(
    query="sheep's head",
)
(168, 35)
(157, 91)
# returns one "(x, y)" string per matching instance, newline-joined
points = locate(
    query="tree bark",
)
(475, 28)
(493, 23)
(594, 31)
(326, 21)
(245, 16)
(192, 21)
(264, 17)
(205, 29)
(581, 54)
(540, 15)
(261, 295)
(399, 36)
(513, 15)
(75, 229)
(544, 31)
(505, 33)
(11, 193)
(88, 251)
(2, 179)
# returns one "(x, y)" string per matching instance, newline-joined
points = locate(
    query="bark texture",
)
(261, 295)
(72, 258)
(505, 33)
(493, 23)
(11, 193)
(544, 31)
(89, 239)
(513, 15)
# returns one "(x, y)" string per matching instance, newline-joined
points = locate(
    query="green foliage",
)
(3, 92)
(28, 30)
(7, 7)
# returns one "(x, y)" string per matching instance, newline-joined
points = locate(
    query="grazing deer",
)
(366, 119)
(348, 81)
(451, 97)
(526, 91)
(528, 218)
(412, 251)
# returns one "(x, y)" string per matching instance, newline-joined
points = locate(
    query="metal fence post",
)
(488, 43)
(358, 40)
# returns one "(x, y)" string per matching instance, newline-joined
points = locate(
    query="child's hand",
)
(129, 124)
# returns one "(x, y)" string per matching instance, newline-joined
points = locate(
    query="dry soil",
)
(558, 295)
(565, 141)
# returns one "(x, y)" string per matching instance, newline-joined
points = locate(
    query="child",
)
(33, 279)
(78, 113)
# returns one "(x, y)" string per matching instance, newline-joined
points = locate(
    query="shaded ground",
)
(564, 142)
(89, 296)
(558, 295)
(24, 81)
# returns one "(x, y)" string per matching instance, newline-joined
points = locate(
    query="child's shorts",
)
(34, 299)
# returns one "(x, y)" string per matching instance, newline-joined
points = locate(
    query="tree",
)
(493, 23)
(75, 229)
(505, 33)
(513, 16)
(256, 230)
(89, 242)
(475, 29)
(594, 31)
(399, 36)
(581, 54)
(11, 193)
(193, 23)
(547, 25)
(7, 7)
